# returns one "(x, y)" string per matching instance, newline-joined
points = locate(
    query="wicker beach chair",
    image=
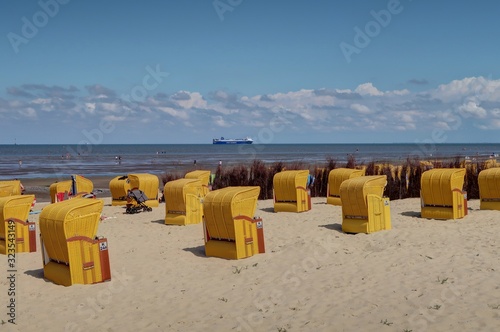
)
(17, 234)
(441, 193)
(149, 184)
(335, 179)
(72, 254)
(203, 176)
(119, 187)
(231, 231)
(290, 191)
(183, 202)
(77, 186)
(364, 209)
(489, 189)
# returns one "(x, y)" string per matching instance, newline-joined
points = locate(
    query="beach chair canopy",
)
(10, 187)
(183, 203)
(14, 212)
(290, 191)
(364, 209)
(489, 189)
(78, 185)
(441, 193)
(119, 187)
(149, 184)
(203, 176)
(354, 193)
(335, 179)
(231, 230)
(72, 252)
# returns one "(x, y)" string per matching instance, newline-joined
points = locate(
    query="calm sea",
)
(51, 161)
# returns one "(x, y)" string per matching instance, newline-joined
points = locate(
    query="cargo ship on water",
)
(222, 140)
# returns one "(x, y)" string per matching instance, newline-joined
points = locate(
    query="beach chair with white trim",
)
(231, 230)
(72, 253)
(17, 234)
(442, 195)
(290, 191)
(364, 209)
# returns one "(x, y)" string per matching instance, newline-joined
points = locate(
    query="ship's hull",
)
(231, 142)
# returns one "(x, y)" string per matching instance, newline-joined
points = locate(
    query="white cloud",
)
(28, 112)
(114, 118)
(219, 121)
(469, 103)
(472, 109)
(472, 88)
(195, 100)
(495, 112)
(175, 113)
(90, 108)
(362, 109)
(367, 89)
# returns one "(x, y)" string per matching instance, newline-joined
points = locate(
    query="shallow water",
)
(49, 161)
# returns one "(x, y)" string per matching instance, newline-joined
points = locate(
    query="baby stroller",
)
(135, 202)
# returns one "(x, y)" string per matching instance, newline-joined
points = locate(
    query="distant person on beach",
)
(20, 163)
(195, 162)
(220, 162)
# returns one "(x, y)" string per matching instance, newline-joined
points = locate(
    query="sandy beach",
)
(423, 275)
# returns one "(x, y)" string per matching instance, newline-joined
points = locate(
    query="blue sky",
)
(278, 71)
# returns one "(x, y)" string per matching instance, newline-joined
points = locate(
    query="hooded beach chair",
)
(17, 234)
(10, 188)
(441, 193)
(72, 253)
(489, 189)
(203, 176)
(335, 179)
(290, 191)
(364, 209)
(231, 231)
(147, 183)
(183, 202)
(77, 186)
(119, 187)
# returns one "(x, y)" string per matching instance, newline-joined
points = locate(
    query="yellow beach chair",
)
(489, 189)
(17, 234)
(119, 187)
(203, 176)
(149, 184)
(441, 193)
(183, 202)
(10, 188)
(335, 179)
(231, 231)
(290, 192)
(364, 209)
(77, 186)
(72, 254)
